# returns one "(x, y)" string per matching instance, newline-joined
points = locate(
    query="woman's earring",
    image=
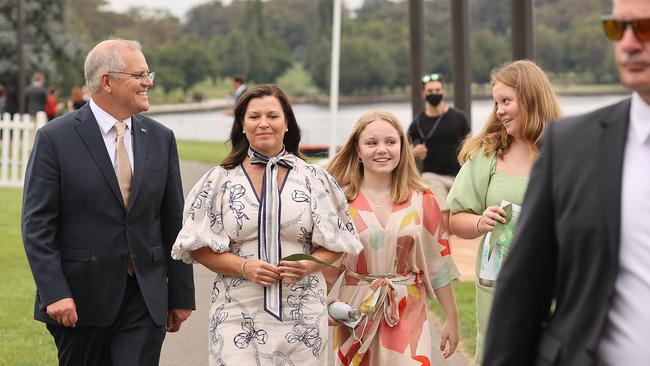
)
(286, 130)
(359, 161)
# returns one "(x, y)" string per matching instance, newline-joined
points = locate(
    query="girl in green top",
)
(496, 163)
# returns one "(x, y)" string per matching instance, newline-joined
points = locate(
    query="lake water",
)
(314, 119)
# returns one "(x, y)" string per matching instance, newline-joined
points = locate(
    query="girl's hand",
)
(261, 272)
(448, 338)
(331, 322)
(294, 271)
(489, 218)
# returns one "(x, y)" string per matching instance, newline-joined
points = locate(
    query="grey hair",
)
(109, 58)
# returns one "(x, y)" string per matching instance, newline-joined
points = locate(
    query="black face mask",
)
(433, 99)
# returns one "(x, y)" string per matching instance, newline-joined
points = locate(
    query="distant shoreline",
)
(323, 100)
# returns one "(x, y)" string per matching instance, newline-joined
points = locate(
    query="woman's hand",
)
(261, 272)
(489, 218)
(294, 271)
(448, 338)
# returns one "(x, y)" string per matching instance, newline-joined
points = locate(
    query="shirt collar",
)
(639, 119)
(105, 120)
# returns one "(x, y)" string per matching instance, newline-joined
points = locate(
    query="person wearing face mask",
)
(496, 164)
(436, 135)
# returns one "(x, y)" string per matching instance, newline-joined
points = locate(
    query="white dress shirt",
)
(626, 335)
(106, 124)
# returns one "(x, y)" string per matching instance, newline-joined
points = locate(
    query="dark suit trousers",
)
(132, 339)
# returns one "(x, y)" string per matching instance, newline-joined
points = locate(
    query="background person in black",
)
(436, 135)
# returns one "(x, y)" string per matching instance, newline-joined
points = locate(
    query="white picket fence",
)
(16, 143)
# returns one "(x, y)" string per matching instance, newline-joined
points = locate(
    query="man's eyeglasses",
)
(143, 76)
(615, 28)
(432, 77)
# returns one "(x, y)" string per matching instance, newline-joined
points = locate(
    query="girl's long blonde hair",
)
(348, 171)
(537, 106)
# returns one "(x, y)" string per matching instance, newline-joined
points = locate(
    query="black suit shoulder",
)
(582, 133)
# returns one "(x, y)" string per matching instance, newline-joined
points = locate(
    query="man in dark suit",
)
(102, 207)
(575, 289)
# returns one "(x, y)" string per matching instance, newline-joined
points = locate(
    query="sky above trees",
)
(180, 8)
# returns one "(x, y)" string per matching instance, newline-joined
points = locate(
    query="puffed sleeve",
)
(440, 267)
(469, 190)
(333, 227)
(202, 223)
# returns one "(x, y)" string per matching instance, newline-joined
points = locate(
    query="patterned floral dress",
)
(223, 212)
(391, 279)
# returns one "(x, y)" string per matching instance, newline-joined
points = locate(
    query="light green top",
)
(477, 186)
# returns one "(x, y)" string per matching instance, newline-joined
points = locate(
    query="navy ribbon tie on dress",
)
(269, 231)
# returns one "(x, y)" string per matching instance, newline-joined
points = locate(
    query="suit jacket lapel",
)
(140, 145)
(613, 131)
(88, 129)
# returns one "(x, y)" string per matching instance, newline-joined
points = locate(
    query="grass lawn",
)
(23, 340)
(465, 293)
(210, 152)
(202, 151)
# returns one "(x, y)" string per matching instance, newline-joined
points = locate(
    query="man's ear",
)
(105, 83)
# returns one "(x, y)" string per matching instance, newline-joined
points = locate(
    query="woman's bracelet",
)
(477, 223)
(241, 269)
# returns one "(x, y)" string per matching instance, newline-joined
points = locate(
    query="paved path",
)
(189, 347)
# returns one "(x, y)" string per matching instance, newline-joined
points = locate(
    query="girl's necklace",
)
(375, 203)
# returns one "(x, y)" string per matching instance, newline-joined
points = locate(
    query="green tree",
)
(590, 53)
(180, 65)
(365, 65)
(212, 19)
(488, 51)
(231, 53)
(549, 50)
(563, 15)
(319, 48)
(491, 14)
(151, 27)
(49, 45)
(289, 20)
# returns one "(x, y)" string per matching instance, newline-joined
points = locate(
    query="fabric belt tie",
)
(269, 249)
(386, 292)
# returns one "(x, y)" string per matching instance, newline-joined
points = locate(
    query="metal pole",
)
(522, 29)
(462, 69)
(416, 25)
(334, 76)
(20, 75)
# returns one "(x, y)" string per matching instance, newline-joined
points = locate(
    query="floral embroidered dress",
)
(391, 279)
(223, 212)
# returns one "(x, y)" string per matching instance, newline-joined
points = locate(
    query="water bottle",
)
(343, 312)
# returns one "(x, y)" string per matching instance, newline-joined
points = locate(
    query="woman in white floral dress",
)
(260, 205)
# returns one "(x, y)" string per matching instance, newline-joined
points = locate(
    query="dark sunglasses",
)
(432, 77)
(615, 28)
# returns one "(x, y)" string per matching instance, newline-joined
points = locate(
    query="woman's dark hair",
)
(238, 139)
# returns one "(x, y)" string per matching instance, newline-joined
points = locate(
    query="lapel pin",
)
(143, 130)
